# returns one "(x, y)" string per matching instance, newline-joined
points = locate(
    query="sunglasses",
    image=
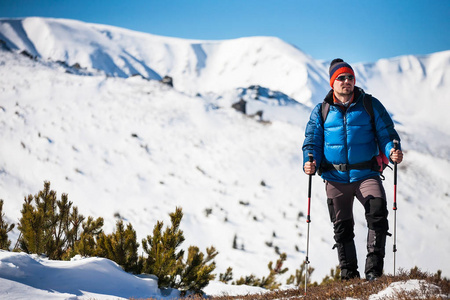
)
(344, 77)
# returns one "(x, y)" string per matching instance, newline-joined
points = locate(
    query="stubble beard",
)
(345, 92)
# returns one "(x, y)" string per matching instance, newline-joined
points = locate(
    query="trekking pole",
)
(308, 220)
(394, 249)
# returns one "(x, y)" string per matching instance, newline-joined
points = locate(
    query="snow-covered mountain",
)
(195, 66)
(130, 146)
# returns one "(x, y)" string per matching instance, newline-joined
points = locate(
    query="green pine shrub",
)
(250, 280)
(268, 282)
(45, 225)
(51, 227)
(227, 276)
(196, 270)
(163, 259)
(73, 233)
(274, 271)
(86, 244)
(166, 262)
(121, 246)
(335, 275)
(299, 278)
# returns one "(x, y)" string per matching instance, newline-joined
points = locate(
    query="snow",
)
(117, 143)
(413, 285)
(25, 276)
(90, 277)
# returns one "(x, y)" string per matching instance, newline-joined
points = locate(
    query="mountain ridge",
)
(154, 56)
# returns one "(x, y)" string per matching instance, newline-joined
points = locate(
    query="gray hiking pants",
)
(341, 196)
(371, 195)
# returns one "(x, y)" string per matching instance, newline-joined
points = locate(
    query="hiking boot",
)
(371, 277)
(349, 274)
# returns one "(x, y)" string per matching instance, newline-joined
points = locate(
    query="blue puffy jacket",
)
(347, 137)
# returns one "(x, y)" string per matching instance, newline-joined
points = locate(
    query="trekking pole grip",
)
(395, 144)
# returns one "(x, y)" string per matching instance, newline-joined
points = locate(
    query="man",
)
(345, 142)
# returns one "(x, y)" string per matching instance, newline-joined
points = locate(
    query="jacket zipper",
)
(345, 141)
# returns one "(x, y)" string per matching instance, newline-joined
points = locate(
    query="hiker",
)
(345, 138)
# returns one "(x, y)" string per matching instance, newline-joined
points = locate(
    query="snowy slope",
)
(138, 148)
(134, 147)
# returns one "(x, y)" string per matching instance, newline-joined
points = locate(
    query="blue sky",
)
(355, 30)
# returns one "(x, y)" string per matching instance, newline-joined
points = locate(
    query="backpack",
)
(380, 161)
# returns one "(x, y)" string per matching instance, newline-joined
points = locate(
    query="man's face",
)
(343, 85)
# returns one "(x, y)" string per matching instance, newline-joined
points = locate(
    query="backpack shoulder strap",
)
(325, 110)
(367, 102)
